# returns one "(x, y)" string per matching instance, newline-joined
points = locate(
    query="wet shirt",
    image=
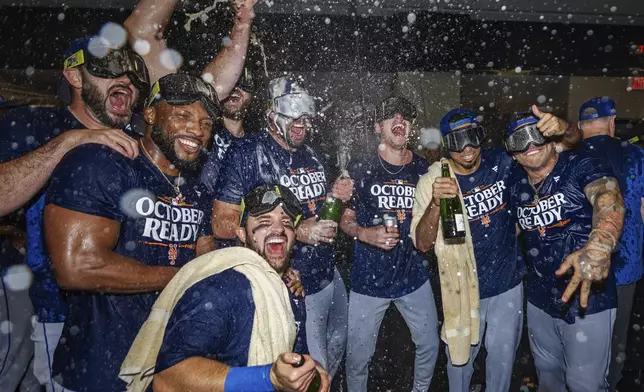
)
(499, 263)
(258, 159)
(214, 320)
(156, 229)
(555, 227)
(384, 189)
(23, 130)
(627, 162)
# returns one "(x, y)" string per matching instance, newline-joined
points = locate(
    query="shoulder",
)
(95, 161)
(227, 287)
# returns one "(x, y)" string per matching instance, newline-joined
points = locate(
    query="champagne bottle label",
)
(460, 222)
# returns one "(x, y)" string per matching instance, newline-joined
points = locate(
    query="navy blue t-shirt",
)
(154, 230)
(221, 139)
(258, 159)
(556, 227)
(499, 263)
(214, 320)
(627, 162)
(23, 130)
(402, 270)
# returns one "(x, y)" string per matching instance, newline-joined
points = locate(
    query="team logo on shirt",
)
(545, 214)
(308, 184)
(483, 201)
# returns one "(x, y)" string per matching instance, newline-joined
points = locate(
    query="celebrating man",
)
(280, 155)
(387, 268)
(570, 211)
(229, 322)
(118, 230)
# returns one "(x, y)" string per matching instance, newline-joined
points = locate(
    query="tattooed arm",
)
(592, 262)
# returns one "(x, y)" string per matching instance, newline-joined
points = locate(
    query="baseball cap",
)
(391, 106)
(288, 97)
(104, 61)
(184, 89)
(265, 198)
(466, 116)
(596, 108)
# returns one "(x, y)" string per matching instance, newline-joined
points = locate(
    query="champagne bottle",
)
(316, 383)
(452, 218)
(332, 207)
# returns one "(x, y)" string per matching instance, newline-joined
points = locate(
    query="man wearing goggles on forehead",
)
(280, 155)
(387, 268)
(141, 220)
(100, 86)
(241, 297)
(481, 177)
(570, 211)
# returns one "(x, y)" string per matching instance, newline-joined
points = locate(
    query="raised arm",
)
(146, 24)
(24, 177)
(592, 262)
(566, 136)
(81, 248)
(227, 66)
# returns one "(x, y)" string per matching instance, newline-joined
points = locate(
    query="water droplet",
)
(534, 252)
(636, 327)
(208, 306)
(503, 8)
(405, 29)
(490, 83)
(590, 32)
(141, 47)
(130, 245)
(18, 277)
(171, 59)
(6, 327)
(541, 99)
(327, 20)
(411, 17)
(581, 337)
(381, 147)
(613, 9)
(114, 34)
(517, 70)
(61, 16)
(74, 330)
(207, 77)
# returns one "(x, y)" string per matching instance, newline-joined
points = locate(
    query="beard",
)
(166, 145)
(96, 102)
(236, 114)
(279, 265)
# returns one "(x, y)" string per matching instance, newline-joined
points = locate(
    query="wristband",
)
(249, 379)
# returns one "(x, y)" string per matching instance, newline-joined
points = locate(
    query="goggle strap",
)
(75, 60)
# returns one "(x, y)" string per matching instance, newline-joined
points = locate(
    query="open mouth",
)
(120, 99)
(189, 145)
(276, 245)
(297, 132)
(532, 150)
(399, 130)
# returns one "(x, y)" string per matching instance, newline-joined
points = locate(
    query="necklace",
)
(178, 199)
(392, 173)
(537, 189)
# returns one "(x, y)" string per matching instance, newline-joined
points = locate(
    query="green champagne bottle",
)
(316, 383)
(331, 209)
(452, 218)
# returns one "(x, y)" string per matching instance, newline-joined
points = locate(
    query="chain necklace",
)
(383, 166)
(178, 199)
(537, 189)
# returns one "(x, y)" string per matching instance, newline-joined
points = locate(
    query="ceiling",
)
(617, 12)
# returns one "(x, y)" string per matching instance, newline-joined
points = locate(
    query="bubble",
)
(481, 108)
(445, 38)
(317, 8)
(581, 337)
(114, 34)
(553, 32)
(541, 99)
(18, 277)
(405, 29)
(490, 83)
(207, 77)
(208, 306)
(590, 32)
(130, 245)
(569, 16)
(29, 71)
(74, 330)
(14, 146)
(517, 70)
(506, 89)
(492, 104)
(629, 88)
(490, 64)
(171, 59)
(430, 137)
(98, 46)
(503, 8)
(381, 147)
(128, 203)
(613, 9)
(636, 327)
(226, 41)
(6, 327)
(525, 196)
(411, 17)
(141, 47)
(327, 20)
(472, 179)
(621, 357)
(61, 16)
(540, 17)
(356, 33)
(458, 273)
(534, 252)
(457, 73)
(608, 48)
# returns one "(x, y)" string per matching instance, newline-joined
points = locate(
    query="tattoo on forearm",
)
(608, 213)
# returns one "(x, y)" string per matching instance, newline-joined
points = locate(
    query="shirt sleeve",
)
(422, 199)
(202, 321)
(19, 134)
(588, 169)
(232, 178)
(94, 180)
